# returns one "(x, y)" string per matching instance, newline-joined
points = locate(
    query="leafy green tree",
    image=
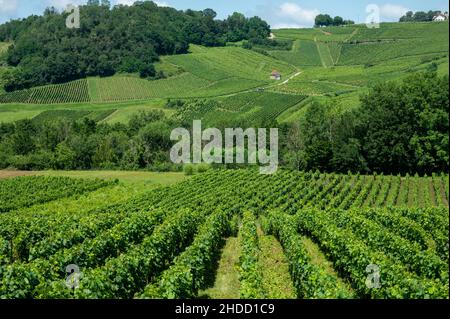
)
(295, 157)
(236, 27)
(405, 126)
(210, 13)
(147, 71)
(110, 149)
(65, 157)
(408, 17)
(316, 137)
(106, 3)
(337, 21)
(22, 139)
(153, 138)
(420, 16)
(323, 20)
(141, 119)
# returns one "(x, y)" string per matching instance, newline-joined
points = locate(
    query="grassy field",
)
(335, 64)
(147, 179)
(117, 112)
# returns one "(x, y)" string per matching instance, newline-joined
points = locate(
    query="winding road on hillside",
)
(264, 87)
(294, 76)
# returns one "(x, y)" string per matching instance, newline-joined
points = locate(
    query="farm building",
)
(441, 17)
(275, 75)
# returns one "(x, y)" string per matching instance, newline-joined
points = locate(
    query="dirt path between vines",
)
(277, 281)
(226, 285)
(12, 174)
(318, 258)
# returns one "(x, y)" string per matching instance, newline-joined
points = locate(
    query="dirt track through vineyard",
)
(276, 279)
(226, 285)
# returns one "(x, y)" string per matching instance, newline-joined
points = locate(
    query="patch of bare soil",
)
(12, 174)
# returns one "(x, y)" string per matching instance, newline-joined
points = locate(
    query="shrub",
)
(201, 168)
(188, 170)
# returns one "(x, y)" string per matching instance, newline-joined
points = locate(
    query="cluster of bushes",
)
(191, 169)
(325, 20)
(175, 104)
(143, 143)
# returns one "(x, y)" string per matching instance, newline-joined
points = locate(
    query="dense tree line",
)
(83, 144)
(325, 20)
(109, 40)
(399, 128)
(419, 16)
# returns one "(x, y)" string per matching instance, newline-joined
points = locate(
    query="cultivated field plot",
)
(122, 88)
(254, 107)
(303, 53)
(294, 235)
(359, 45)
(394, 40)
(219, 63)
(111, 112)
(76, 91)
(389, 31)
(27, 191)
(315, 88)
(376, 52)
(52, 115)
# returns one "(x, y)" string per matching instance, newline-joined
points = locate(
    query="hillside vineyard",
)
(165, 242)
(165, 153)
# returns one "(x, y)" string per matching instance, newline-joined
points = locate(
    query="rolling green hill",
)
(332, 64)
(205, 73)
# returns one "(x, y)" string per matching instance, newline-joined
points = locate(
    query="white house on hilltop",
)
(441, 17)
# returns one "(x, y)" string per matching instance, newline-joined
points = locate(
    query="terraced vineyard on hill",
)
(167, 242)
(332, 64)
(254, 107)
(76, 91)
(207, 72)
(93, 204)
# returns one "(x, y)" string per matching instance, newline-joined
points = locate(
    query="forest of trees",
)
(399, 128)
(119, 39)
